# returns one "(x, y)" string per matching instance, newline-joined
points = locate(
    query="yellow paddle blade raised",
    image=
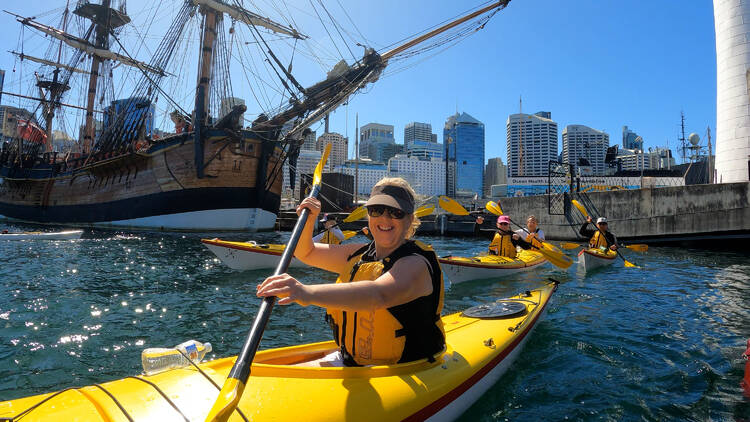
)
(555, 257)
(494, 208)
(638, 247)
(580, 207)
(424, 210)
(451, 206)
(568, 245)
(357, 214)
(348, 234)
(317, 176)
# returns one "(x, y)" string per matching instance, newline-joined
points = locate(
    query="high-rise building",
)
(306, 163)
(427, 177)
(531, 142)
(310, 141)
(732, 99)
(126, 114)
(420, 142)
(367, 173)
(9, 116)
(416, 131)
(464, 137)
(425, 150)
(339, 148)
(582, 144)
(495, 173)
(630, 139)
(376, 142)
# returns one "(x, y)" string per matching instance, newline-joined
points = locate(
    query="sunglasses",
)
(378, 210)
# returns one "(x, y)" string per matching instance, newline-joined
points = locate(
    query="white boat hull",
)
(588, 261)
(461, 273)
(241, 258)
(65, 235)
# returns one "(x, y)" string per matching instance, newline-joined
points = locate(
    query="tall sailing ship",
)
(213, 171)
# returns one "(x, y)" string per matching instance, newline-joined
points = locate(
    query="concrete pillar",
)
(732, 26)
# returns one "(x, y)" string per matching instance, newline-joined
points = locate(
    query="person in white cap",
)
(332, 234)
(386, 303)
(600, 238)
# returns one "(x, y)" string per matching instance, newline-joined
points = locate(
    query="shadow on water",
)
(662, 342)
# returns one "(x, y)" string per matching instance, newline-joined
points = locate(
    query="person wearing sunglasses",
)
(601, 238)
(331, 232)
(386, 303)
(504, 240)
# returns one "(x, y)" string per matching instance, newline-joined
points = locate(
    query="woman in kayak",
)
(504, 240)
(532, 233)
(600, 238)
(332, 234)
(385, 306)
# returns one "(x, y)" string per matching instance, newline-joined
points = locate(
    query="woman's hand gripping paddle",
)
(553, 255)
(582, 209)
(231, 392)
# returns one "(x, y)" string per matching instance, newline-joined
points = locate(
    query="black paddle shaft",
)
(241, 368)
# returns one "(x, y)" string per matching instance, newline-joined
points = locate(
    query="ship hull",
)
(156, 189)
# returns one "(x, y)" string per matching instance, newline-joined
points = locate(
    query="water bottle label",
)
(192, 351)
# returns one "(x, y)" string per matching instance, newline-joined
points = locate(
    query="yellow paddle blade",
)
(567, 245)
(629, 264)
(452, 206)
(494, 208)
(348, 234)
(580, 208)
(424, 210)
(556, 258)
(638, 247)
(357, 214)
(319, 168)
(229, 397)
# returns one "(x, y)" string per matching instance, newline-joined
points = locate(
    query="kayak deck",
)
(248, 255)
(460, 269)
(478, 351)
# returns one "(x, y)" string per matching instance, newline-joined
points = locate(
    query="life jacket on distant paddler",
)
(599, 240)
(401, 333)
(330, 238)
(501, 245)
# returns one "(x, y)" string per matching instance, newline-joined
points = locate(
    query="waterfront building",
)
(306, 163)
(339, 148)
(732, 100)
(62, 142)
(495, 173)
(9, 116)
(463, 136)
(531, 143)
(427, 177)
(376, 142)
(630, 139)
(368, 173)
(583, 142)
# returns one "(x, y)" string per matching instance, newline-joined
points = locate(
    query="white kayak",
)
(589, 259)
(248, 255)
(459, 269)
(65, 235)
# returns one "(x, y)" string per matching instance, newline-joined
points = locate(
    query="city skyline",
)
(603, 75)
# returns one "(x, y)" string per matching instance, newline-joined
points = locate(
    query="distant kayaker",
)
(532, 233)
(601, 238)
(504, 240)
(385, 306)
(331, 234)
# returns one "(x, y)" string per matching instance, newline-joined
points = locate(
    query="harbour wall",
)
(678, 214)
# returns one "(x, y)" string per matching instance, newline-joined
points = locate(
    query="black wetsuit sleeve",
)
(480, 232)
(520, 242)
(585, 231)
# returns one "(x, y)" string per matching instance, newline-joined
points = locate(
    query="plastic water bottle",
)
(159, 359)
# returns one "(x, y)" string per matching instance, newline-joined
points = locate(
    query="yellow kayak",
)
(591, 258)
(459, 269)
(480, 347)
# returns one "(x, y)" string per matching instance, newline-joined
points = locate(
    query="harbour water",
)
(662, 342)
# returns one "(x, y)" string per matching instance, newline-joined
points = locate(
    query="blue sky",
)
(598, 63)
